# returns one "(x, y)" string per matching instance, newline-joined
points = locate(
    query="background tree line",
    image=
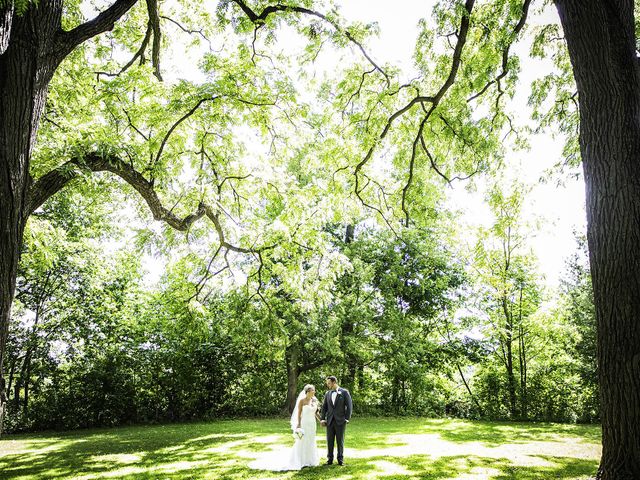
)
(408, 324)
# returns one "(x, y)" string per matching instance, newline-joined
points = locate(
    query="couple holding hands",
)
(334, 414)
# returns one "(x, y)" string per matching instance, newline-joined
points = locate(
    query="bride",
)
(304, 452)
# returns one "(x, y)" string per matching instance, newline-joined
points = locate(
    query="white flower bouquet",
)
(298, 433)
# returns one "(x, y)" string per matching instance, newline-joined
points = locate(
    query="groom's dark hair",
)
(332, 378)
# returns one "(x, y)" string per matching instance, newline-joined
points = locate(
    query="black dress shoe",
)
(341, 464)
(329, 462)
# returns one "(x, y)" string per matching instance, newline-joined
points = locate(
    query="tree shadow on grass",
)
(381, 433)
(218, 451)
(424, 467)
(500, 433)
(95, 453)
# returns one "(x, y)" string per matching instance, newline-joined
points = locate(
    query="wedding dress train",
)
(303, 453)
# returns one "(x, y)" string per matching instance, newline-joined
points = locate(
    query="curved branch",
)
(414, 151)
(179, 121)
(189, 31)
(432, 160)
(433, 100)
(140, 53)
(271, 9)
(69, 40)
(57, 179)
(193, 110)
(385, 131)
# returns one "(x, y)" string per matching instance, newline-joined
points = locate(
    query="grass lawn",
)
(375, 448)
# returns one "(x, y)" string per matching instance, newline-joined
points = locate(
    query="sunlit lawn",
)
(376, 448)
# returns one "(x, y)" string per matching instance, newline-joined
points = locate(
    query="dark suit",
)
(336, 417)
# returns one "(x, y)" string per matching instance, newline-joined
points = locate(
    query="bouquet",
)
(298, 433)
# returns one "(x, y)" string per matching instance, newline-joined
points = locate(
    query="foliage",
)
(389, 307)
(272, 142)
(578, 308)
(530, 369)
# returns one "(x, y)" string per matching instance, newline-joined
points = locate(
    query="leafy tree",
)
(134, 127)
(61, 263)
(510, 293)
(389, 307)
(66, 359)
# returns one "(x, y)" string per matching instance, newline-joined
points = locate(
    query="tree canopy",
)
(258, 156)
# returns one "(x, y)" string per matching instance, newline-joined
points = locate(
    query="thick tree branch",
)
(153, 29)
(105, 21)
(57, 179)
(154, 23)
(311, 365)
(140, 53)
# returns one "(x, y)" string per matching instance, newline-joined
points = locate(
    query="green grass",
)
(376, 448)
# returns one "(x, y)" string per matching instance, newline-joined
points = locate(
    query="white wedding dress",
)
(303, 453)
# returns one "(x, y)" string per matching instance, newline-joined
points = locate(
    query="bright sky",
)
(559, 209)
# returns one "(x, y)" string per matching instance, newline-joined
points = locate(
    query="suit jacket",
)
(341, 411)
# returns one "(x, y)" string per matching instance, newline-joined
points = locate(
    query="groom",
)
(335, 414)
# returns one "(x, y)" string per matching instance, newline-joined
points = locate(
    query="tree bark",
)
(14, 361)
(522, 355)
(601, 40)
(3, 401)
(508, 360)
(25, 376)
(524, 400)
(26, 381)
(351, 359)
(297, 364)
(26, 68)
(32, 46)
(6, 20)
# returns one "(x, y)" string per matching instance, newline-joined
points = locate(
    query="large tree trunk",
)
(26, 68)
(601, 40)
